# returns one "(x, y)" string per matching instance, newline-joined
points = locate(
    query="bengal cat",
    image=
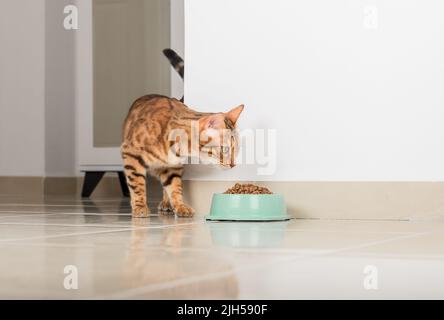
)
(146, 148)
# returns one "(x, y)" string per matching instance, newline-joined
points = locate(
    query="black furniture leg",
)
(92, 179)
(123, 184)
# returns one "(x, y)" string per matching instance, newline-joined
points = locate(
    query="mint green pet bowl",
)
(248, 207)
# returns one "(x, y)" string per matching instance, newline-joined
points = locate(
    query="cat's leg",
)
(135, 174)
(171, 180)
(165, 205)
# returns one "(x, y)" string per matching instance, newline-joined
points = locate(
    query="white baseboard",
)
(308, 200)
(342, 200)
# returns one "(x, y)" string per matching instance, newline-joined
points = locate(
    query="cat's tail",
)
(176, 61)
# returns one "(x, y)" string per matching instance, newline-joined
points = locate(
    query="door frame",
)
(87, 155)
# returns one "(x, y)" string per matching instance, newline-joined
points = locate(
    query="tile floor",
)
(164, 257)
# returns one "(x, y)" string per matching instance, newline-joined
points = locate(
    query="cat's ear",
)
(215, 121)
(235, 113)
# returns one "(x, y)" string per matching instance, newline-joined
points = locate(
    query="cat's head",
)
(219, 142)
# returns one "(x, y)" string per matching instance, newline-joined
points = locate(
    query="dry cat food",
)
(248, 188)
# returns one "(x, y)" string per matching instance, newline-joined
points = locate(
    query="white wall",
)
(22, 87)
(37, 91)
(60, 134)
(348, 102)
(177, 43)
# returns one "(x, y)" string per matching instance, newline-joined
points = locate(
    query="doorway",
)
(128, 39)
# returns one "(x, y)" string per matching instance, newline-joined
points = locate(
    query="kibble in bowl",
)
(248, 188)
(248, 202)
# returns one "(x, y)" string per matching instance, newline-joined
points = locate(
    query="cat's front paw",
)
(141, 212)
(184, 211)
(164, 207)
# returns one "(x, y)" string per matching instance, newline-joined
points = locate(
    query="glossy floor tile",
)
(50, 247)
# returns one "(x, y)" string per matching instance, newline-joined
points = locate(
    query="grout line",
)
(86, 225)
(129, 214)
(364, 245)
(99, 214)
(95, 233)
(348, 231)
(92, 205)
(398, 256)
(167, 285)
(60, 205)
(195, 279)
(189, 280)
(30, 213)
(375, 243)
(26, 214)
(358, 219)
(53, 245)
